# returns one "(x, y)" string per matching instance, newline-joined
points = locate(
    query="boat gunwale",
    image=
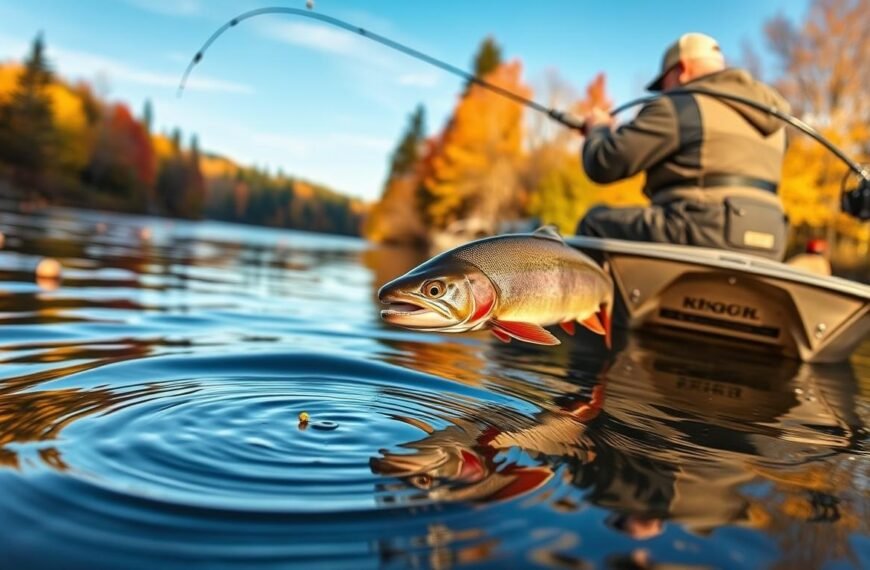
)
(720, 259)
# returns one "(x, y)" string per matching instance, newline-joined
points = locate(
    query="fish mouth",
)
(402, 308)
(410, 312)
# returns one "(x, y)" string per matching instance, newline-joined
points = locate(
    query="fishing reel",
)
(856, 201)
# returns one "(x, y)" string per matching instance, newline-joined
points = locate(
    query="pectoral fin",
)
(505, 338)
(525, 332)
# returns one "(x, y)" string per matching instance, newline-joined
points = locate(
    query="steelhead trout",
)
(513, 285)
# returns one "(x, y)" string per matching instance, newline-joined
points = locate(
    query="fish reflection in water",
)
(658, 439)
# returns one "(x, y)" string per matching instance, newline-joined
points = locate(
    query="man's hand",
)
(596, 117)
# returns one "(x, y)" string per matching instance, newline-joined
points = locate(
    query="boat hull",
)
(733, 298)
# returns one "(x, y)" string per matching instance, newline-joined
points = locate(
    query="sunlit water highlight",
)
(150, 401)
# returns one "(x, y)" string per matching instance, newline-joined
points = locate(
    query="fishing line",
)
(855, 202)
(560, 116)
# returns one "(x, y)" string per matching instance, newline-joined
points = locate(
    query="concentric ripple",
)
(234, 440)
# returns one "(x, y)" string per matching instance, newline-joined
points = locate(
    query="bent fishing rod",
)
(855, 202)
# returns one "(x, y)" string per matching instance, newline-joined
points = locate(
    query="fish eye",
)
(422, 481)
(434, 288)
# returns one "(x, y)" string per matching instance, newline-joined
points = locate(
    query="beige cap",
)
(689, 46)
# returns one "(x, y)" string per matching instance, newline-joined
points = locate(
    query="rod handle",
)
(567, 119)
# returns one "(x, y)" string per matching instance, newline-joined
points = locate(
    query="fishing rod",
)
(560, 116)
(855, 202)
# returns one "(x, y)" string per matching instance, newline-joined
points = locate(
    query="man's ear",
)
(684, 71)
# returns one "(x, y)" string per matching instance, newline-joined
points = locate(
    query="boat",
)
(732, 298)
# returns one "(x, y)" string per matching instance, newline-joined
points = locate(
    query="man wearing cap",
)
(712, 165)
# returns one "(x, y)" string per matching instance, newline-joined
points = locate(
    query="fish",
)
(465, 462)
(513, 285)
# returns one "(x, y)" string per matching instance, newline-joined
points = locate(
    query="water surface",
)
(149, 406)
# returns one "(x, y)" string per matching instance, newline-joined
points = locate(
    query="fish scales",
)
(538, 276)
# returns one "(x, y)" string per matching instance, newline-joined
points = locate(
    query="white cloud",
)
(316, 37)
(74, 63)
(79, 63)
(404, 70)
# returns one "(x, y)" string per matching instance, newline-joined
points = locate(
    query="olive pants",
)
(736, 225)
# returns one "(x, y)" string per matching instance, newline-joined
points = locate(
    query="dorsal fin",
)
(550, 232)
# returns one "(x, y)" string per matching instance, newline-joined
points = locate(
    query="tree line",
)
(61, 143)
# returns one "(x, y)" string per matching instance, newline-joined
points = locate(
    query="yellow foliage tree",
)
(74, 132)
(562, 193)
(825, 76)
(68, 114)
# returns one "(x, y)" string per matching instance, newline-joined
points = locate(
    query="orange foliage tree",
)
(123, 159)
(473, 169)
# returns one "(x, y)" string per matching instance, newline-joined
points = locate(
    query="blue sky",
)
(327, 105)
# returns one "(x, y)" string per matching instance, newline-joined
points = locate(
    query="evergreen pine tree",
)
(488, 57)
(27, 134)
(148, 115)
(407, 152)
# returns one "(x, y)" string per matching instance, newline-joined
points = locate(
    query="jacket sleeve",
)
(609, 156)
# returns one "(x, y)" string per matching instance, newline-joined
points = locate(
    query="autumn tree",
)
(27, 135)
(824, 72)
(473, 170)
(123, 161)
(396, 217)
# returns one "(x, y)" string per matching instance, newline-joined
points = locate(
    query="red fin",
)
(604, 318)
(568, 327)
(593, 323)
(500, 335)
(525, 332)
(522, 480)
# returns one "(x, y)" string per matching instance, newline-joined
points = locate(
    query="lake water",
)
(149, 408)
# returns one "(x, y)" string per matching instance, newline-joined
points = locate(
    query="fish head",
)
(429, 468)
(444, 294)
(459, 474)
